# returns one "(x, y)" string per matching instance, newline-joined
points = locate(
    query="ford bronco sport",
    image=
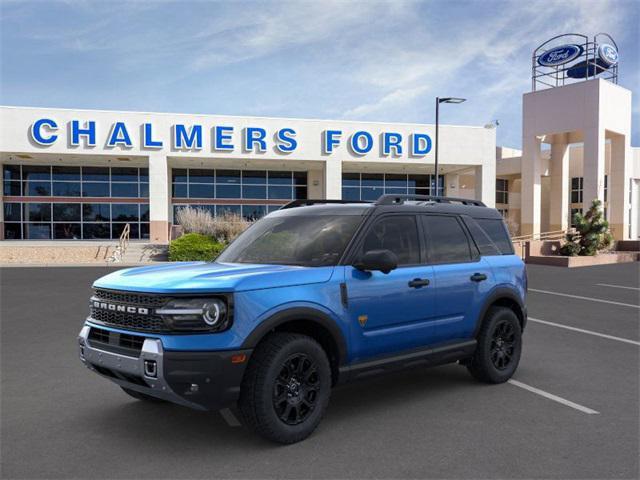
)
(316, 293)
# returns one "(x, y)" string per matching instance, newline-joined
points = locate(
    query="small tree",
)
(591, 235)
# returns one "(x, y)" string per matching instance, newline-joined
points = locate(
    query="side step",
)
(428, 357)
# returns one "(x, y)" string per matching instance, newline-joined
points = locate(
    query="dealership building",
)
(86, 174)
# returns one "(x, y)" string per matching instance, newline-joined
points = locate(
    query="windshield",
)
(310, 241)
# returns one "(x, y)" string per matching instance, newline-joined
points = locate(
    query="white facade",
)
(161, 146)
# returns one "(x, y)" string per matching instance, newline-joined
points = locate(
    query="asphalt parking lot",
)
(571, 412)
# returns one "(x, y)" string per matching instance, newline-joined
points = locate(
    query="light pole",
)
(438, 102)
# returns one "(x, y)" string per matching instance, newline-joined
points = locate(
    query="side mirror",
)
(382, 260)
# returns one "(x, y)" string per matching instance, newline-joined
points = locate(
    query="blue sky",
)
(366, 60)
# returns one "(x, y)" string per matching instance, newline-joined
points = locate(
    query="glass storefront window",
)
(66, 173)
(96, 212)
(66, 189)
(248, 185)
(370, 186)
(36, 172)
(197, 190)
(66, 212)
(124, 190)
(37, 189)
(95, 174)
(124, 212)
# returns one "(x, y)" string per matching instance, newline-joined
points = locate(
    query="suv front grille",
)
(147, 322)
(130, 298)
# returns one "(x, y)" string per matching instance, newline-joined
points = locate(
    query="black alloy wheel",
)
(502, 344)
(499, 346)
(286, 387)
(296, 389)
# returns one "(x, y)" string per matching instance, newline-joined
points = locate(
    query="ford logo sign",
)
(560, 55)
(608, 54)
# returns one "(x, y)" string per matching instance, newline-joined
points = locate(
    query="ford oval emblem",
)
(560, 55)
(608, 54)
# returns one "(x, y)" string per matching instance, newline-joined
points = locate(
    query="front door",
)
(391, 312)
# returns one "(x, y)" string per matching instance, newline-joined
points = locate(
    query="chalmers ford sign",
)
(222, 138)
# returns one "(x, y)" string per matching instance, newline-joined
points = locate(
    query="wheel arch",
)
(503, 297)
(308, 321)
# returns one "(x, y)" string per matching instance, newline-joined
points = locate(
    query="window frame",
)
(474, 253)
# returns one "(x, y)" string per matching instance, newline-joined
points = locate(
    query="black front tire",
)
(286, 388)
(499, 347)
(141, 396)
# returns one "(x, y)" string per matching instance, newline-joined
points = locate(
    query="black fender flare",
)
(299, 313)
(498, 294)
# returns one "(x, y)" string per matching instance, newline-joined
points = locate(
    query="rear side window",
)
(397, 233)
(497, 232)
(446, 240)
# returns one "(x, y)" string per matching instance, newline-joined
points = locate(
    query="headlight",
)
(196, 314)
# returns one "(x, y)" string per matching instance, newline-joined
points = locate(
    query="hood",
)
(202, 277)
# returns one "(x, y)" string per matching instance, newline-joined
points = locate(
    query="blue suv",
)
(317, 293)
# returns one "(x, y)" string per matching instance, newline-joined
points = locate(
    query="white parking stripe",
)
(588, 332)
(555, 398)
(230, 418)
(585, 298)
(616, 286)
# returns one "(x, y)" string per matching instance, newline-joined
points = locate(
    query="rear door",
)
(391, 312)
(462, 277)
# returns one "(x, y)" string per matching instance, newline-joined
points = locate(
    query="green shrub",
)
(591, 235)
(194, 247)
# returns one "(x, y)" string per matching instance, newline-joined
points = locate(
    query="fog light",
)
(150, 368)
(194, 388)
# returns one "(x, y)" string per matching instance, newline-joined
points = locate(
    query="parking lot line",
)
(588, 332)
(585, 298)
(553, 397)
(616, 286)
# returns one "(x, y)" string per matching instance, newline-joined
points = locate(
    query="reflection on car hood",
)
(199, 277)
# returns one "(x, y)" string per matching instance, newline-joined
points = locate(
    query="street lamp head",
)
(451, 100)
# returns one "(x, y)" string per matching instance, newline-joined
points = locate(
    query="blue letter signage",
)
(189, 140)
(147, 137)
(420, 144)
(37, 134)
(89, 131)
(119, 136)
(286, 140)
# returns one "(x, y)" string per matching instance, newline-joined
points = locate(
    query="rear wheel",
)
(141, 396)
(499, 347)
(285, 390)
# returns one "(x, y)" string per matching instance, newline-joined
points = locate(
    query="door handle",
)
(418, 282)
(478, 277)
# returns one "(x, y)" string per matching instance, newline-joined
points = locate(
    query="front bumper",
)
(198, 380)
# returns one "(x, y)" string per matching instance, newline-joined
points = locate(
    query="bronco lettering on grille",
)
(120, 308)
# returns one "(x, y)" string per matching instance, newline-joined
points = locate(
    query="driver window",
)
(398, 234)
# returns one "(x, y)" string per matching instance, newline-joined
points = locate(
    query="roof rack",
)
(400, 199)
(306, 203)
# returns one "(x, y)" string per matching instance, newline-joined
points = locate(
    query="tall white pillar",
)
(333, 179)
(559, 205)
(531, 186)
(159, 198)
(618, 187)
(485, 183)
(593, 167)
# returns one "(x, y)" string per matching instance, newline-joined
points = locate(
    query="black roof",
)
(391, 203)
